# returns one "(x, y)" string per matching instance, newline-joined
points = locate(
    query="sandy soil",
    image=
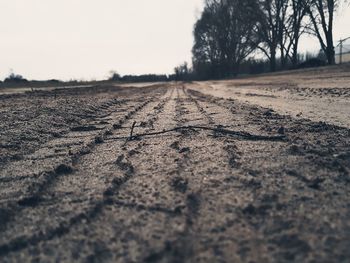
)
(168, 174)
(139, 85)
(319, 95)
(19, 90)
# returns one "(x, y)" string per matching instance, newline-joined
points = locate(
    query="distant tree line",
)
(17, 80)
(181, 73)
(230, 32)
(139, 78)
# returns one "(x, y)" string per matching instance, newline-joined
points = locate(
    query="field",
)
(247, 170)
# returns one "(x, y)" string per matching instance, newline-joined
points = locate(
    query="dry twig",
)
(217, 130)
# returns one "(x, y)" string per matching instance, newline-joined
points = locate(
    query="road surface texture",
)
(166, 173)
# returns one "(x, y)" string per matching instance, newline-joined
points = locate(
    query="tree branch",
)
(217, 130)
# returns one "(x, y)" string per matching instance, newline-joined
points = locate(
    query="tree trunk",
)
(330, 53)
(295, 53)
(235, 68)
(283, 58)
(273, 60)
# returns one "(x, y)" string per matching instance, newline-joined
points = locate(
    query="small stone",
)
(116, 126)
(63, 169)
(99, 139)
(180, 184)
(185, 149)
(175, 145)
(268, 112)
(281, 130)
(108, 132)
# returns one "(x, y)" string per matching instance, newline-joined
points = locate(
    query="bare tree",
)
(182, 72)
(205, 50)
(223, 36)
(294, 27)
(114, 75)
(299, 10)
(273, 15)
(321, 13)
(230, 30)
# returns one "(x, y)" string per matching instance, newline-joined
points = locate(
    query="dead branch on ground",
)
(216, 130)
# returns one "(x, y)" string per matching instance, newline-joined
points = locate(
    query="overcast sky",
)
(85, 39)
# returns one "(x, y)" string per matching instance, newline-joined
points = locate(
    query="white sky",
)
(85, 39)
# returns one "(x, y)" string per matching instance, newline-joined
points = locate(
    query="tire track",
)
(146, 198)
(270, 122)
(189, 195)
(44, 180)
(281, 177)
(193, 180)
(180, 248)
(128, 206)
(54, 168)
(96, 206)
(27, 129)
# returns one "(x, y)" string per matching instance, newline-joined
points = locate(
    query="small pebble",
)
(281, 130)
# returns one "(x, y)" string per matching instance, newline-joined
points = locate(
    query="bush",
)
(15, 78)
(312, 63)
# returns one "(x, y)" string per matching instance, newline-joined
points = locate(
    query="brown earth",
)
(168, 174)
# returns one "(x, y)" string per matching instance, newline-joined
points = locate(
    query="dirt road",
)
(168, 174)
(317, 94)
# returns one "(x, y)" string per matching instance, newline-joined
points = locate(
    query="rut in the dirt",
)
(178, 176)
